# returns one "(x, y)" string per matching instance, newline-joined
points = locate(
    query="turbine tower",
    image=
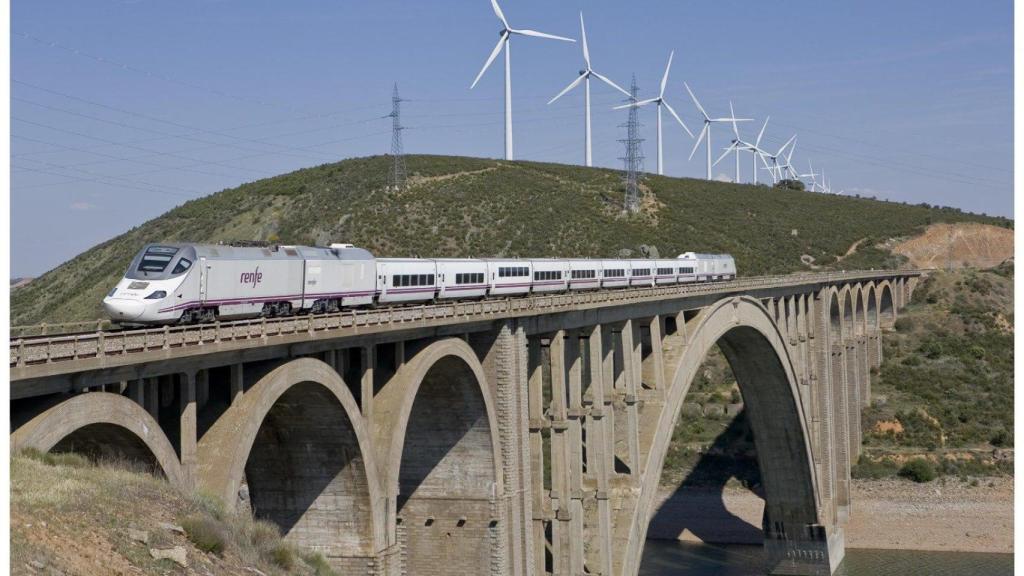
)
(736, 146)
(660, 101)
(584, 77)
(503, 42)
(396, 179)
(706, 132)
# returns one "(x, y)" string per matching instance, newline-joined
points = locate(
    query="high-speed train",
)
(189, 283)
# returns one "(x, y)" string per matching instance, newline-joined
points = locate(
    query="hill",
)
(457, 206)
(71, 516)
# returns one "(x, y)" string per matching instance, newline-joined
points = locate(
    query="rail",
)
(35, 345)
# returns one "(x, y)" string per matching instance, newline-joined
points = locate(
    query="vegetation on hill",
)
(71, 516)
(945, 389)
(458, 206)
(942, 402)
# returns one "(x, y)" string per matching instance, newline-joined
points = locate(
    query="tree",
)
(790, 184)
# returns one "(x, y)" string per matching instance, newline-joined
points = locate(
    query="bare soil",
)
(952, 516)
(961, 245)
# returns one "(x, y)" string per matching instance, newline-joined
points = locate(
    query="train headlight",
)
(157, 295)
(112, 292)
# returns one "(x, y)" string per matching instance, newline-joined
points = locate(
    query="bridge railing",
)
(35, 346)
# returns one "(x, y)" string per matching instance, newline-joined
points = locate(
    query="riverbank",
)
(953, 516)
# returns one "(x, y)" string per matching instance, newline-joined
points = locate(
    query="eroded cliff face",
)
(966, 244)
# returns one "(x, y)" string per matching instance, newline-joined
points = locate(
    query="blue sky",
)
(123, 109)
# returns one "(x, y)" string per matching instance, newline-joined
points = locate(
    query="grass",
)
(72, 515)
(458, 206)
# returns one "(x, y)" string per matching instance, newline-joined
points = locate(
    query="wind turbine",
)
(787, 168)
(503, 42)
(738, 145)
(660, 101)
(706, 132)
(585, 78)
(811, 175)
(774, 168)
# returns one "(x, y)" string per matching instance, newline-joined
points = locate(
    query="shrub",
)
(317, 562)
(874, 469)
(932, 349)
(283, 556)
(69, 459)
(1000, 438)
(918, 470)
(206, 533)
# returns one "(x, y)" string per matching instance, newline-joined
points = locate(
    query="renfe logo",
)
(253, 278)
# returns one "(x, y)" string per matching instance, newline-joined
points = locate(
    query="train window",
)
(641, 272)
(156, 258)
(181, 266)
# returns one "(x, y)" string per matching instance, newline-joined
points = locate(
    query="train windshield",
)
(156, 259)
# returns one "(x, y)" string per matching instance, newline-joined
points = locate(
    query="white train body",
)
(186, 283)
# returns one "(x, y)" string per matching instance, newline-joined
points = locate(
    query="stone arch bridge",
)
(506, 437)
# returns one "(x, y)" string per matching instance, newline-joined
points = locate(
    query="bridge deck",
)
(49, 356)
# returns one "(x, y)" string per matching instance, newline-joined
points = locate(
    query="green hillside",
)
(458, 206)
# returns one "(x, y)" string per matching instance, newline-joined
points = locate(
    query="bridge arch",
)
(870, 307)
(756, 349)
(297, 440)
(437, 429)
(886, 304)
(102, 424)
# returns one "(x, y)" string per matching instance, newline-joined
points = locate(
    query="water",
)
(667, 558)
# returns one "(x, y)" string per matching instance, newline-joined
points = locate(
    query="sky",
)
(122, 110)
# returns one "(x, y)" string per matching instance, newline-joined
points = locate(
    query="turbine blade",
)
(499, 13)
(541, 35)
(786, 145)
(735, 129)
(699, 140)
(571, 85)
(610, 83)
(724, 154)
(583, 36)
(664, 77)
(678, 119)
(761, 133)
(789, 155)
(637, 104)
(695, 101)
(490, 59)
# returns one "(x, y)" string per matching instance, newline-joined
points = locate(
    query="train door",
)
(204, 274)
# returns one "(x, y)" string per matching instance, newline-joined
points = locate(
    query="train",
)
(185, 283)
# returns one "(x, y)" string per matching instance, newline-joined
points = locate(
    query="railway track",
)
(45, 344)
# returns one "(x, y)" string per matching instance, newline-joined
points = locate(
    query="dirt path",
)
(893, 514)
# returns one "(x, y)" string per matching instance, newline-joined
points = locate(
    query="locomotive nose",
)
(119, 309)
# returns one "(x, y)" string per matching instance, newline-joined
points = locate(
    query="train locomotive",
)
(180, 283)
